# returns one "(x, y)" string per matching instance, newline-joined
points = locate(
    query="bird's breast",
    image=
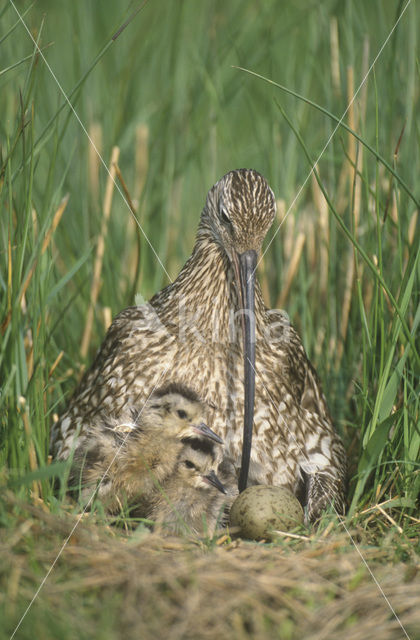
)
(216, 374)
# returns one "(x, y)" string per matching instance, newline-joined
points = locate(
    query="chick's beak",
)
(203, 430)
(211, 478)
(245, 265)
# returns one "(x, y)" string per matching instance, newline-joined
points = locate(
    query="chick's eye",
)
(181, 414)
(224, 217)
(189, 464)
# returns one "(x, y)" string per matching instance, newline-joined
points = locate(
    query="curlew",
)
(125, 462)
(192, 499)
(211, 331)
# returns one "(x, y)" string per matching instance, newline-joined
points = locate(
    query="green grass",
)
(167, 92)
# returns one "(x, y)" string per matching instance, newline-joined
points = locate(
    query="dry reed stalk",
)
(319, 342)
(386, 487)
(287, 225)
(34, 223)
(28, 342)
(95, 135)
(100, 250)
(367, 291)
(55, 364)
(107, 315)
(328, 530)
(342, 190)
(335, 57)
(342, 199)
(394, 212)
(387, 300)
(142, 160)
(29, 353)
(346, 173)
(391, 191)
(291, 271)
(174, 221)
(416, 520)
(280, 210)
(346, 305)
(365, 69)
(132, 228)
(33, 465)
(8, 313)
(360, 148)
(355, 154)
(351, 142)
(289, 232)
(264, 283)
(324, 237)
(307, 224)
(287, 534)
(125, 188)
(142, 168)
(411, 234)
(355, 187)
(390, 519)
(412, 227)
(359, 158)
(375, 506)
(55, 221)
(332, 344)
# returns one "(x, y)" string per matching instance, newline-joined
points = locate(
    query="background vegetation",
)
(342, 258)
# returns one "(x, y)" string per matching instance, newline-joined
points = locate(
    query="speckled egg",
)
(262, 508)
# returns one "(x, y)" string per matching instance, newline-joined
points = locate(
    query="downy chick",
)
(192, 499)
(139, 454)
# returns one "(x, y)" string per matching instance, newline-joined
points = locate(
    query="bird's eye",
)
(189, 464)
(224, 217)
(181, 414)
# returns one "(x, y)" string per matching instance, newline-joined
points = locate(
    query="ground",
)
(111, 583)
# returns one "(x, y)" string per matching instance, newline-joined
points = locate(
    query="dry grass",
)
(147, 586)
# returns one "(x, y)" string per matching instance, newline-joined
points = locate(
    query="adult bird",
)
(211, 331)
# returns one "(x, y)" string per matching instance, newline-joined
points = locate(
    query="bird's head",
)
(179, 412)
(239, 210)
(195, 469)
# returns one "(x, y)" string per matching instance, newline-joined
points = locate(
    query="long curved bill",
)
(245, 267)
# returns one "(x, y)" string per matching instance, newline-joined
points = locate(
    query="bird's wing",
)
(324, 459)
(321, 455)
(122, 370)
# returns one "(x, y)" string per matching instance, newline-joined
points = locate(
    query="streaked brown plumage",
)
(190, 332)
(127, 461)
(192, 499)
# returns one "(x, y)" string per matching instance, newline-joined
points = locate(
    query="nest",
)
(145, 586)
